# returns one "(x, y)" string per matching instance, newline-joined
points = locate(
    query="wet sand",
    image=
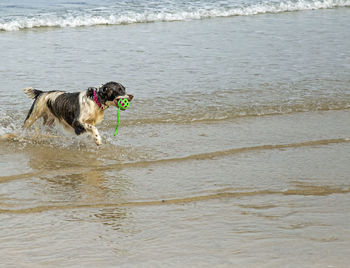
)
(265, 199)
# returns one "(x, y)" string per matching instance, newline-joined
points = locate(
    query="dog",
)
(78, 111)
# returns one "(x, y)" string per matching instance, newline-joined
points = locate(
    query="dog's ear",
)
(102, 91)
(90, 92)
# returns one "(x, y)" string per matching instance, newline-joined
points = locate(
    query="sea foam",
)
(89, 18)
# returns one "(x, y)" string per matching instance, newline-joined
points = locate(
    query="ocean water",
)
(234, 152)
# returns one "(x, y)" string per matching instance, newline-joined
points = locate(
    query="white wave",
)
(154, 16)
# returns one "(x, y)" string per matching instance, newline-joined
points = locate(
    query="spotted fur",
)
(76, 111)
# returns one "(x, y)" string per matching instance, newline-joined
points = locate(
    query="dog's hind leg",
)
(31, 117)
(34, 114)
(35, 110)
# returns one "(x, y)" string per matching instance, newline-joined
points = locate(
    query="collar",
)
(96, 100)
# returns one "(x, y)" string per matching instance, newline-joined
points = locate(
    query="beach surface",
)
(234, 152)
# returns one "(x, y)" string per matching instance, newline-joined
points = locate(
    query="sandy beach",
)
(234, 152)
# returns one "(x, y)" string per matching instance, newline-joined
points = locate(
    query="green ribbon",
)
(116, 128)
(122, 104)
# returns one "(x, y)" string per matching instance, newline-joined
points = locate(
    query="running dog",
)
(78, 111)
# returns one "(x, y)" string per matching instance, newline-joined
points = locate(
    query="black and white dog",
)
(79, 111)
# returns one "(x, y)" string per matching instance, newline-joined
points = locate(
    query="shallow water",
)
(234, 152)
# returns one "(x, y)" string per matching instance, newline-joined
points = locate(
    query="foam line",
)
(114, 18)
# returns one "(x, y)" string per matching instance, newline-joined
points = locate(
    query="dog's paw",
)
(98, 140)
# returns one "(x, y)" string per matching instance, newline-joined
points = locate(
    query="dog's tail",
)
(32, 93)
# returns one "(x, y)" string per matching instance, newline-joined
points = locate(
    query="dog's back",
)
(65, 106)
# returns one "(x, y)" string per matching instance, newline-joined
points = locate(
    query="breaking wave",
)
(117, 16)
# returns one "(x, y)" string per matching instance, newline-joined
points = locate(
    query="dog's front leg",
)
(93, 130)
(80, 127)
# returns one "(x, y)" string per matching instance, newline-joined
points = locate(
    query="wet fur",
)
(76, 111)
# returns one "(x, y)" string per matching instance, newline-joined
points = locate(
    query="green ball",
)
(123, 104)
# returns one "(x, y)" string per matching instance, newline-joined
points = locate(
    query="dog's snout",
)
(130, 97)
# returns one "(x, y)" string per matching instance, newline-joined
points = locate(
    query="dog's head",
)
(111, 92)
